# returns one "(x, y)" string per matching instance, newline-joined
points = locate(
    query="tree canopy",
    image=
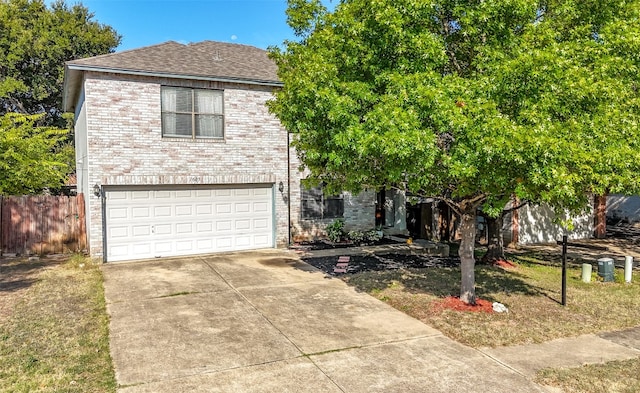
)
(467, 101)
(35, 42)
(32, 157)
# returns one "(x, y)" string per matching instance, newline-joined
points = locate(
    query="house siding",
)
(625, 208)
(535, 225)
(125, 144)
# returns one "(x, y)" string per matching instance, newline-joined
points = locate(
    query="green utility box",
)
(605, 269)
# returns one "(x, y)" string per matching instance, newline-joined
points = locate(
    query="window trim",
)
(193, 114)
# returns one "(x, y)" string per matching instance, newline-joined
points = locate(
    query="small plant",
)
(335, 231)
(373, 235)
(356, 236)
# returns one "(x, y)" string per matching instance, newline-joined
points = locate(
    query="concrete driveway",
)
(267, 322)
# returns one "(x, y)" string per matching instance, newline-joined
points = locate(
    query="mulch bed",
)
(363, 263)
(504, 264)
(327, 245)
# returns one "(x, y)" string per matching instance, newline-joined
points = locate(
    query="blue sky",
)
(147, 22)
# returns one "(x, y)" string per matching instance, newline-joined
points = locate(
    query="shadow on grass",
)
(21, 273)
(439, 277)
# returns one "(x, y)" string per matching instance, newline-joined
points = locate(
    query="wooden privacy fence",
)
(42, 224)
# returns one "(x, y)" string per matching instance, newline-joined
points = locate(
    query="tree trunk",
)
(467, 259)
(495, 246)
(600, 208)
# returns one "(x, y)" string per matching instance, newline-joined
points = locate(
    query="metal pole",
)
(564, 270)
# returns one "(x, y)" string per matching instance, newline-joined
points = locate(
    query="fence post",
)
(82, 238)
(564, 270)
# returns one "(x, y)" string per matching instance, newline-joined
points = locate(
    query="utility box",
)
(605, 269)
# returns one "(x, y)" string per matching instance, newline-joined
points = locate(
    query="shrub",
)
(356, 236)
(372, 236)
(335, 231)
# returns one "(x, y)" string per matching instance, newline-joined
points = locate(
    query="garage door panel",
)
(242, 207)
(183, 194)
(223, 193)
(204, 244)
(141, 248)
(184, 210)
(203, 193)
(145, 195)
(260, 223)
(118, 252)
(243, 240)
(224, 242)
(119, 232)
(163, 247)
(140, 212)
(224, 226)
(118, 195)
(118, 213)
(260, 207)
(262, 240)
(184, 228)
(223, 208)
(141, 230)
(204, 228)
(161, 194)
(202, 209)
(152, 223)
(243, 224)
(184, 245)
(162, 229)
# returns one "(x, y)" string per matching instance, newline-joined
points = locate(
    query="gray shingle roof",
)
(207, 59)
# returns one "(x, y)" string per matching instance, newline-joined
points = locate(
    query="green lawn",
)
(56, 336)
(531, 291)
(611, 377)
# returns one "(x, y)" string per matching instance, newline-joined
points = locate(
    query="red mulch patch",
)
(504, 264)
(454, 303)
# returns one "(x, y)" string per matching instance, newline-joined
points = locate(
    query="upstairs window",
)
(315, 204)
(192, 113)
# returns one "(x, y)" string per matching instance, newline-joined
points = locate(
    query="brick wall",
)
(359, 210)
(125, 144)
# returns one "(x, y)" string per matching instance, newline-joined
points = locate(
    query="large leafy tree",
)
(32, 156)
(469, 101)
(35, 42)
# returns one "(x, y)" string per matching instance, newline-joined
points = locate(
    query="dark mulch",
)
(620, 230)
(327, 245)
(363, 263)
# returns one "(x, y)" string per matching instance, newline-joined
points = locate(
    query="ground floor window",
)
(316, 204)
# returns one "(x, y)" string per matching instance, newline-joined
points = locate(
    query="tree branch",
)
(512, 209)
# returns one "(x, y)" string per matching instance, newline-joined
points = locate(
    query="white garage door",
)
(149, 223)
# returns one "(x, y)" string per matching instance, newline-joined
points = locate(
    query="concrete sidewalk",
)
(568, 352)
(267, 322)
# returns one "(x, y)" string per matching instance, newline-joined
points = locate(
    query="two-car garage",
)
(149, 222)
